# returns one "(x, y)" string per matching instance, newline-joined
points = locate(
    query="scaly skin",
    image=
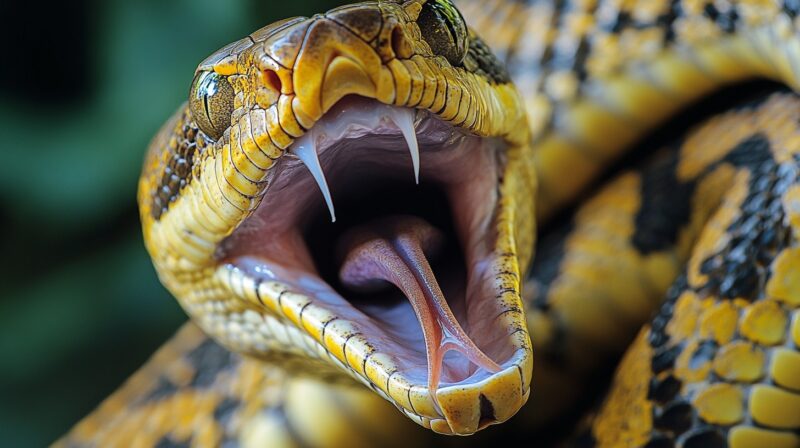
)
(717, 365)
(597, 75)
(698, 205)
(278, 74)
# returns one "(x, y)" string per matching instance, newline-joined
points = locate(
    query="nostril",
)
(400, 45)
(272, 80)
(270, 90)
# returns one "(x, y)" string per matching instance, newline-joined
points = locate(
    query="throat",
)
(395, 250)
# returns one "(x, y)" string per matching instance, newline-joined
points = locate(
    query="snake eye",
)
(211, 103)
(443, 27)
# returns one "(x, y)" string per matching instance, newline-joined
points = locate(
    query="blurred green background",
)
(83, 87)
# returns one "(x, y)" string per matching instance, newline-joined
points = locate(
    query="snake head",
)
(395, 121)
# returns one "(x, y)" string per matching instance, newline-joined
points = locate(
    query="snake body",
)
(702, 235)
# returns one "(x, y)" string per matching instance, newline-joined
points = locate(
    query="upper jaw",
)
(268, 254)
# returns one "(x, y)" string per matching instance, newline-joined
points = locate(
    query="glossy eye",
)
(443, 27)
(211, 103)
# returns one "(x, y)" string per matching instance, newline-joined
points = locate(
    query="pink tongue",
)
(393, 249)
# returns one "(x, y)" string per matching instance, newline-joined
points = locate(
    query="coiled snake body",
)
(436, 171)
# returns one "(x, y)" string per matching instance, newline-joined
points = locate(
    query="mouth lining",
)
(369, 173)
(384, 302)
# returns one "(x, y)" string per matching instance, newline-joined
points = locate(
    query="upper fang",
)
(305, 148)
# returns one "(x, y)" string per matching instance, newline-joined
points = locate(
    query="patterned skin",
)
(596, 75)
(217, 199)
(717, 366)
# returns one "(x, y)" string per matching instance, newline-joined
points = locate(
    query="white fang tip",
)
(404, 119)
(305, 148)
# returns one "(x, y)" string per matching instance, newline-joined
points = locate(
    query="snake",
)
(404, 219)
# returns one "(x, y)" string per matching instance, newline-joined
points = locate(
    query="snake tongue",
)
(394, 250)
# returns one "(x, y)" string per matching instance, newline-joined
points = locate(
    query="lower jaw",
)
(358, 340)
(386, 317)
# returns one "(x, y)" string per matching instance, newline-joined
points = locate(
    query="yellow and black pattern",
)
(191, 390)
(195, 393)
(176, 163)
(584, 306)
(719, 364)
(596, 75)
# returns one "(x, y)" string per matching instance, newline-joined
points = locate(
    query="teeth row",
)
(305, 148)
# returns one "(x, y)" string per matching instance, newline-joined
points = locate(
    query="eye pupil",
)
(211, 103)
(443, 28)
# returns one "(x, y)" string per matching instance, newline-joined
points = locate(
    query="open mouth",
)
(386, 217)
